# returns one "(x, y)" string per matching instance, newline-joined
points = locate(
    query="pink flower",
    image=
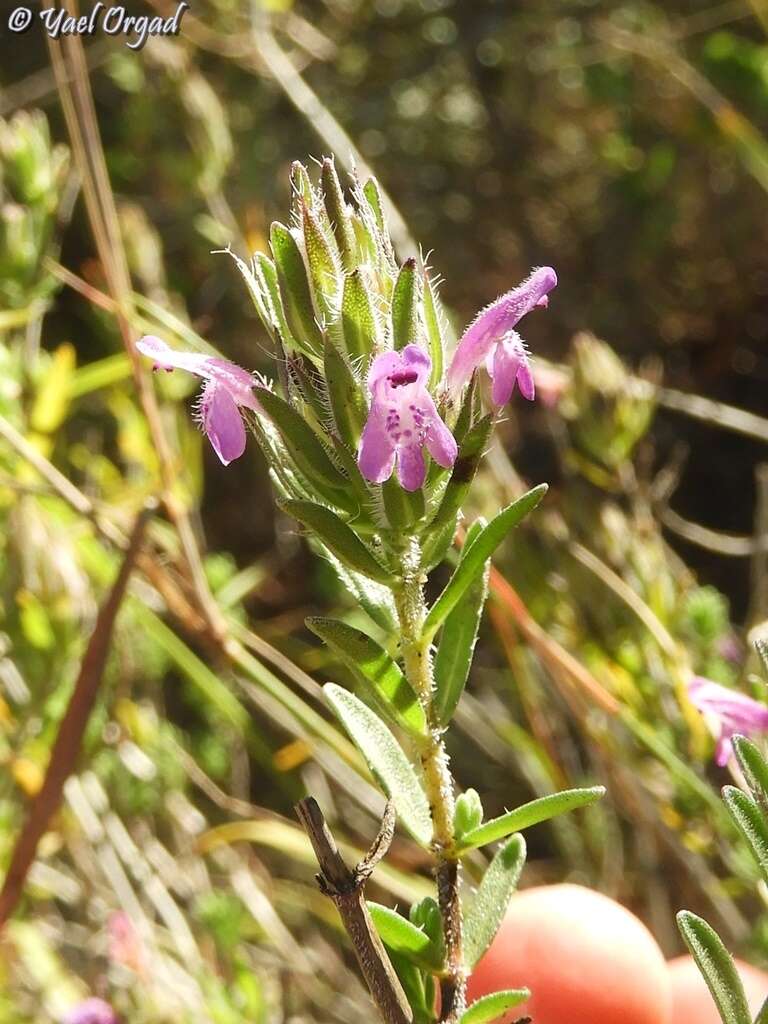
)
(733, 711)
(491, 339)
(226, 390)
(403, 419)
(91, 1011)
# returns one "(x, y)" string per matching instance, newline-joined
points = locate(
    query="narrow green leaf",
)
(306, 449)
(358, 319)
(309, 385)
(751, 823)
(405, 306)
(433, 322)
(717, 968)
(491, 1007)
(471, 451)
(457, 645)
(417, 987)
(375, 600)
(529, 814)
(338, 538)
(265, 274)
(371, 662)
(437, 545)
(493, 895)
(294, 287)
(372, 194)
(346, 396)
(323, 263)
(385, 759)
(338, 213)
(403, 508)
(301, 183)
(753, 767)
(471, 565)
(425, 914)
(398, 934)
(762, 1017)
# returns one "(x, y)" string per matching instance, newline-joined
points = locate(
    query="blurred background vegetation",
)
(623, 143)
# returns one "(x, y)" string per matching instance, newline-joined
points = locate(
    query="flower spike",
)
(733, 711)
(492, 339)
(227, 389)
(403, 419)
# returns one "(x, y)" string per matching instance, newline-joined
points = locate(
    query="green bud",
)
(404, 312)
(338, 214)
(468, 814)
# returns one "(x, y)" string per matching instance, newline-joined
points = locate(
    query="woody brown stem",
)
(346, 889)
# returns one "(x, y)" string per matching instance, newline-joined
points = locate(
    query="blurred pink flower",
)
(492, 339)
(91, 1011)
(403, 419)
(125, 945)
(734, 712)
(226, 390)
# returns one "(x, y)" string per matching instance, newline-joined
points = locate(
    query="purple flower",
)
(491, 339)
(226, 390)
(734, 711)
(91, 1011)
(403, 419)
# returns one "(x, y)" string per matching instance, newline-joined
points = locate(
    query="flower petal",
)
(166, 358)
(440, 442)
(417, 359)
(510, 366)
(376, 457)
(496, 320)
(411, 468)
(222, 422)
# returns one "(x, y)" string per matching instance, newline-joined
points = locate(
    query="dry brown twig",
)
(345, 887)
(69, 738)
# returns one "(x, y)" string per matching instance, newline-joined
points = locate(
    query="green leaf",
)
(529, 814)
(425, 914)
(371, 662)
(265, 273)
(306, 450)
(433, 321)
(457, 645)
(753, 767)
(403, 508)
(308, 385)
(468, 814)
(338, 213)
(373, 195)
(385, 759)
(471, 565)
(418, 988)
(375, 600)
(751, 823)
(294, 287)
(471, 451)
(491, 1007)
(398, 934)
(405, 306)
(358, 319)
(324, 269)
(717, 968)
(301, 183)
(493, 895)
(338, 538)
(346, 396)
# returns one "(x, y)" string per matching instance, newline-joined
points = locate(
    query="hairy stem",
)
(417, 658)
